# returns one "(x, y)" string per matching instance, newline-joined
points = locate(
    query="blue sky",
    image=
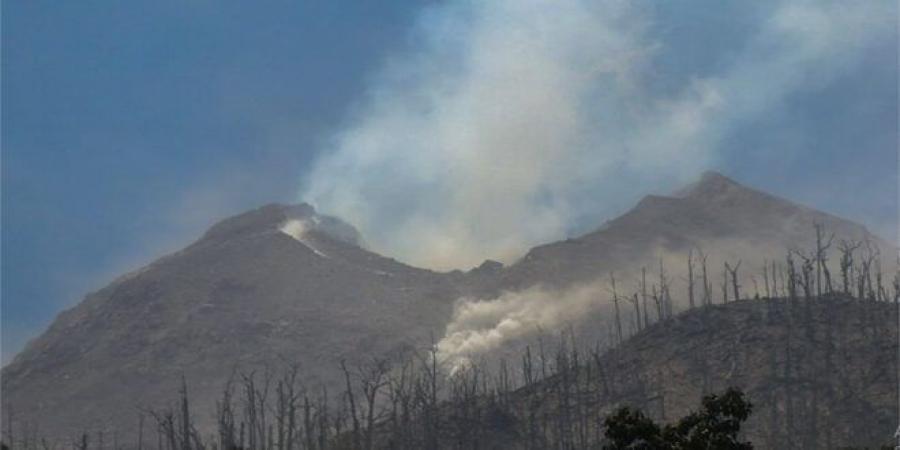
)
(129, 127)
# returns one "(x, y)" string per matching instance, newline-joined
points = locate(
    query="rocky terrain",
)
(244, 294)
(716, 215)
(820, 373)
(284, 283)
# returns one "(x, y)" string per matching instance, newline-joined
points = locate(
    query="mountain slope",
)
(716, 214)
(820, 373)
(833, 360)
(285, 283)
(245, 293)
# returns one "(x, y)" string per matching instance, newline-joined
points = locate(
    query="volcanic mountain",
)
(715, 215)
(285, 283)
(276, 283)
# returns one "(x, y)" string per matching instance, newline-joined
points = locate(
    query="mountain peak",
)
(269, 216)
(710, 184)
(274, 215)
(712, 176)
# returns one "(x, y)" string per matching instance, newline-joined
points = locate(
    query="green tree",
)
(628, 428)
(715, 426)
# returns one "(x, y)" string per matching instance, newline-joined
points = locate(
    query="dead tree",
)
(807, 268)
(256, 399)
(373, 379)
(866, 288)
(637, 313)
(847, 248)
(882, 294)
(658, 301)
(690, 278)
(225, 416)
(427, 396)
(309, 424)
(822, 260)
(351, 399)
(733, 272)
(664, 292)
(775, 274)
(644, 296)
(287, 399)
(612, 284)
(707, 284)
(791, 282)
(725, 284)
(186, 427)
(527, 366)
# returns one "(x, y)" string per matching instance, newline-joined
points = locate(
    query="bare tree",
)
(690, 278)
(707, 284)
(733, 271)
(847, 248)
(637, 313)
(287, 402)
(373, 378)
(186, 428)
(657, 299)
(612, 284)
(351, 398)
(725, 284)
(822, 260)
(225, 416)
(664, 292)
(644, 296)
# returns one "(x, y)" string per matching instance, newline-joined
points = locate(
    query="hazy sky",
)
(129, 127)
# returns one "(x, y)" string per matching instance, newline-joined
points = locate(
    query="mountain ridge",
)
(251, 289)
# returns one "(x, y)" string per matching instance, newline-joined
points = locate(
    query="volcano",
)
(286, 283)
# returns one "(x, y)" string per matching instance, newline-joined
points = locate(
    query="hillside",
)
(820, 374)
(244, 294)
(715, 214)
(285, 283)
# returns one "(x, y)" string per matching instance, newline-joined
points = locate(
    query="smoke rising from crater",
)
(503, 122)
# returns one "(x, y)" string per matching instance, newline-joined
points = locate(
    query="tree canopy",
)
(715, 426)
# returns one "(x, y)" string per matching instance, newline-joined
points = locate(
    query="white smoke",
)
(504, 120)
(479, 327)
(297, 229)
(294, 228)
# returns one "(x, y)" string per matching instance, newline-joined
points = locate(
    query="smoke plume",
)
(503, 122)
(479, 327)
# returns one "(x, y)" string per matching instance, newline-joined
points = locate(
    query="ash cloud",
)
(502, 122)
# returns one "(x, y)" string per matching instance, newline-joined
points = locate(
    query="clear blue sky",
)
(128, 127)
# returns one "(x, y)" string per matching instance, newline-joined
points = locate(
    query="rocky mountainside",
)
(716, 215)
(246, 293)
(284, 283)
(819, 372)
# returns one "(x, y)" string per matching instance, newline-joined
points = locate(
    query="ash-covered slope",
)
(283, 283)
(820, 373)
(277, 282)
(715, 215)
